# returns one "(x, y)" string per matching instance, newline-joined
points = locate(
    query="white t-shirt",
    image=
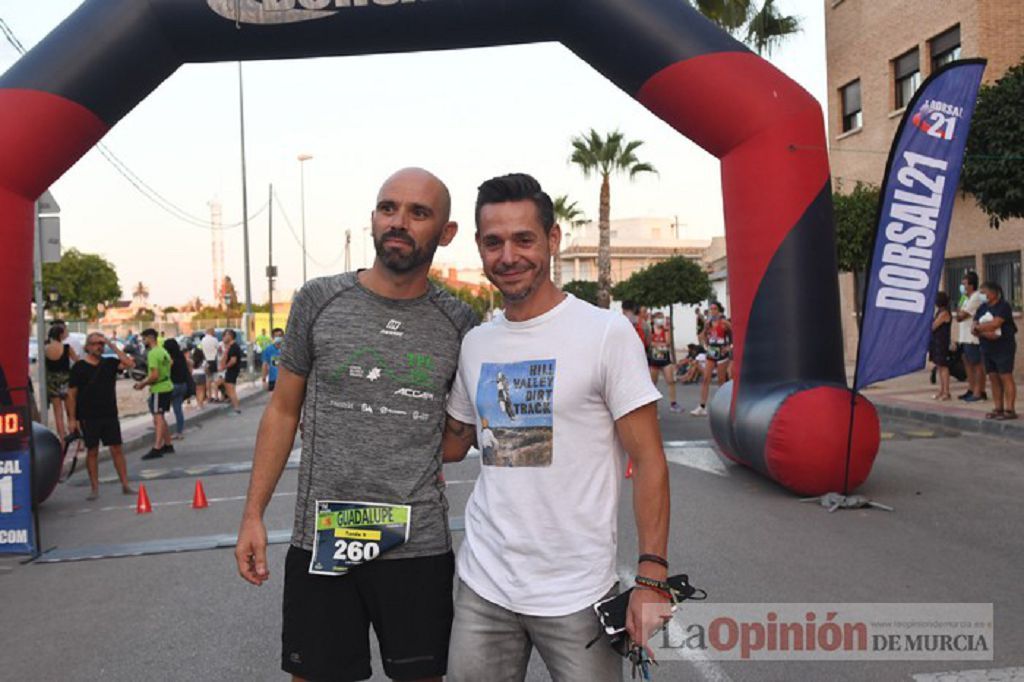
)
(970, 306)
(541, 524)
(210, 345)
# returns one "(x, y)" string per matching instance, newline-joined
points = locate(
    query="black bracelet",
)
(654, 559)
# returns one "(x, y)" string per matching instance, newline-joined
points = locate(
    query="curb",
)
(145, 439)
(990, 427)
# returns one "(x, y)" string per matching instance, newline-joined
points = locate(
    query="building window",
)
(850, 95)
(585, 271)
(1004, 268)
(945, 47)
(956, 268)
(907, 73)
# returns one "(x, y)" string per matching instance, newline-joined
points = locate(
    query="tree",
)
(762, 28)
(856, 215)
(993, 166)
(594, 154)
(676, 280)
(83, 282)
(568, 215)
(170, 310)
(144, 315)
(583, 290)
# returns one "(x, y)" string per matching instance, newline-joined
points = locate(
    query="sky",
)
(361, 118)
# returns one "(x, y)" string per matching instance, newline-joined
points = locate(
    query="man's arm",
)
(151, 378)
(126, 361)
(273, 445)
(641, 437)
(458, 438)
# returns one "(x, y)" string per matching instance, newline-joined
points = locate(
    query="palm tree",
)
(761, 28)
(569, 215)
(593, 153)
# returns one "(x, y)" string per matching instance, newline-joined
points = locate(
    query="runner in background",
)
(717, 339)
(271, 359)
(661, 356)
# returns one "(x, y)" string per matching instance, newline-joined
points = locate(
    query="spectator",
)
(262, 342)
(59, 356)
(938, 349)
(970, 300)
(160, 386)
(92, 407)
(181, 370)
(199, 375)
(271, 358)
(993, 324)
(211, 347)
(231, 365)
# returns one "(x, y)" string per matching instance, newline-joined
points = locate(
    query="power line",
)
(140, 185)
(287, 221)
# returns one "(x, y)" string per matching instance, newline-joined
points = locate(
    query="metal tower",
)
(217, 244)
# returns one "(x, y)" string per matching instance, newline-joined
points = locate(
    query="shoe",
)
(238, 413)
(676, 407)
(1006, 416)
(153, 454)
(128, 490)
(971, 398)
(167, 449)
(93, 496)
(964, 396)
(699, 411)
(178, 436)
(984, 396)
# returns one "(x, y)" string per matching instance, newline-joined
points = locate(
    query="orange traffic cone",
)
(629, 468)
(142, 505)
(199, 499)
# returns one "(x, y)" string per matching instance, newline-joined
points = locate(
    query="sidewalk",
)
(137, 430)
(911, 396)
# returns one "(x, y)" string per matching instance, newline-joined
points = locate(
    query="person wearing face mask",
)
(970, 300)
(271, 357)
(993, 324)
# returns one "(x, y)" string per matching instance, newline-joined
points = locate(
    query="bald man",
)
(370, 356)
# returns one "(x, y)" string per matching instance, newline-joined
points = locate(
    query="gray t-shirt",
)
(378, 372)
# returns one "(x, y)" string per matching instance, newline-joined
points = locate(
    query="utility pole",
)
(348, 250)
(271, 270)
(303, 158)
(245, 224)
(40, 387)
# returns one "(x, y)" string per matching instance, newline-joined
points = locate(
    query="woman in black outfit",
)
(181, 371)
(59, 357)
(938, 350)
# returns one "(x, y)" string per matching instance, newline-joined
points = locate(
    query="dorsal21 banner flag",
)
(921, 181)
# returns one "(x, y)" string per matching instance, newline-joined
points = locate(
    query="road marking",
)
(706, 668)
(702, 458)
(190, 471)
(990, 675)
(173, 503)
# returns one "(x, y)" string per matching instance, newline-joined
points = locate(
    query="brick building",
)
(879, 52)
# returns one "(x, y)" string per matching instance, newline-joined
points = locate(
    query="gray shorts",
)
(492, 643)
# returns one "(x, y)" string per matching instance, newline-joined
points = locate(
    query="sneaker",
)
(965, 396)
(676, 407)
(153, 454)
(167, 449)
(699, 411)
(971, 398)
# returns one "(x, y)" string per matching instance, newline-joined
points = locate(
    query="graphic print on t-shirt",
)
(514, 403)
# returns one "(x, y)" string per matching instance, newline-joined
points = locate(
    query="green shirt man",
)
(262, 342)
(160, 359)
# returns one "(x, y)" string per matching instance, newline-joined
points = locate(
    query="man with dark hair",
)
(271, 358)
(92, 406)
(231, 366)
(970, 300)
(993, 324)
(371, 356)
(540, 546)
(158, 363)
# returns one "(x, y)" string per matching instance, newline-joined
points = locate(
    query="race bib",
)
(352, 533)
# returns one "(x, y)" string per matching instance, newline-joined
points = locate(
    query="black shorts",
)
(105, 429)
(231, 377)
(159, 402)
(211, 368)
(658, 364)
(999, 360)
(327, 618)
(270, 385)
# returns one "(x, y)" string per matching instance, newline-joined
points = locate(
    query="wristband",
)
(654, 559)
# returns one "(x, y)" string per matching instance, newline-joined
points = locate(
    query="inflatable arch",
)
(787, 412)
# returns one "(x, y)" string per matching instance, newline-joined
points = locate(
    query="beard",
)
(523, 290)
(399, 262)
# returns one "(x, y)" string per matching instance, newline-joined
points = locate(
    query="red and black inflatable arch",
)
(788, 409)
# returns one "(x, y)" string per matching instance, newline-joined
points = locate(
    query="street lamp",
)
(303, 158)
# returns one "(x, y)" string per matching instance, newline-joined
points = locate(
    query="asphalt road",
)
(954, 537)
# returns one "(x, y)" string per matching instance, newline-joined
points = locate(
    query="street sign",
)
(49, 228)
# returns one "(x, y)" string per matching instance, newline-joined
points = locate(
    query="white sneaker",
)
(699, 412)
